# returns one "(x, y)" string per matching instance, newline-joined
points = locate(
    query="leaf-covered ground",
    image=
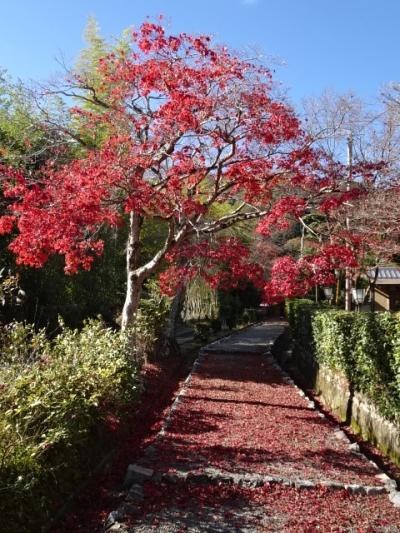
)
(238, 416)
(220, 508)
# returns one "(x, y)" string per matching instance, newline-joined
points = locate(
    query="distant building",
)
(386, 294)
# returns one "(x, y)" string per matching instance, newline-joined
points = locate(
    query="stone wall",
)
(335, 392)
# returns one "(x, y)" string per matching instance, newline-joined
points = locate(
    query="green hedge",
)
(299, 314)
(365, 347)
(56, 398)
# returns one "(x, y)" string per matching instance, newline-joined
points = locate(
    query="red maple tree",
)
(349, 226)
(189, 125)
(185, 125)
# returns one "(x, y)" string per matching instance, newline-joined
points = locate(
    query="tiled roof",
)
(385, 273)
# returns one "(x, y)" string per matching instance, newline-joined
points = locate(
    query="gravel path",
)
(244, 450)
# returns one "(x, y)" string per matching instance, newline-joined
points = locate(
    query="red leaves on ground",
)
(239, 416)
(268, 508)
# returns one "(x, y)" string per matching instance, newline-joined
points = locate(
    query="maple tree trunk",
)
(135, 279)
(132, 299)
(137, 275)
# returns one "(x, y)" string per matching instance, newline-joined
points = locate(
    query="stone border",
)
(257, 480)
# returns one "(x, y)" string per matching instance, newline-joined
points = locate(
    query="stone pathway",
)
(244, 449)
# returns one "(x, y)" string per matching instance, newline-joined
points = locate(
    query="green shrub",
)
(299, 314)
(146, 334)
(54, 398)
(395, 346)
(332, 339)
(202, 330)
(365, 347)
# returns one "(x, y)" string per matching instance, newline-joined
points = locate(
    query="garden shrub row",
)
(56, 400)
(365, 347)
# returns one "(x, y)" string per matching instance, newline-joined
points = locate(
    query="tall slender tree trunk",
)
(137, 275)
(134, 278)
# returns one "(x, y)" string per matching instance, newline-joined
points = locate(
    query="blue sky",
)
(316, 44)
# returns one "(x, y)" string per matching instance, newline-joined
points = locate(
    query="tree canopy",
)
(176, 130)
